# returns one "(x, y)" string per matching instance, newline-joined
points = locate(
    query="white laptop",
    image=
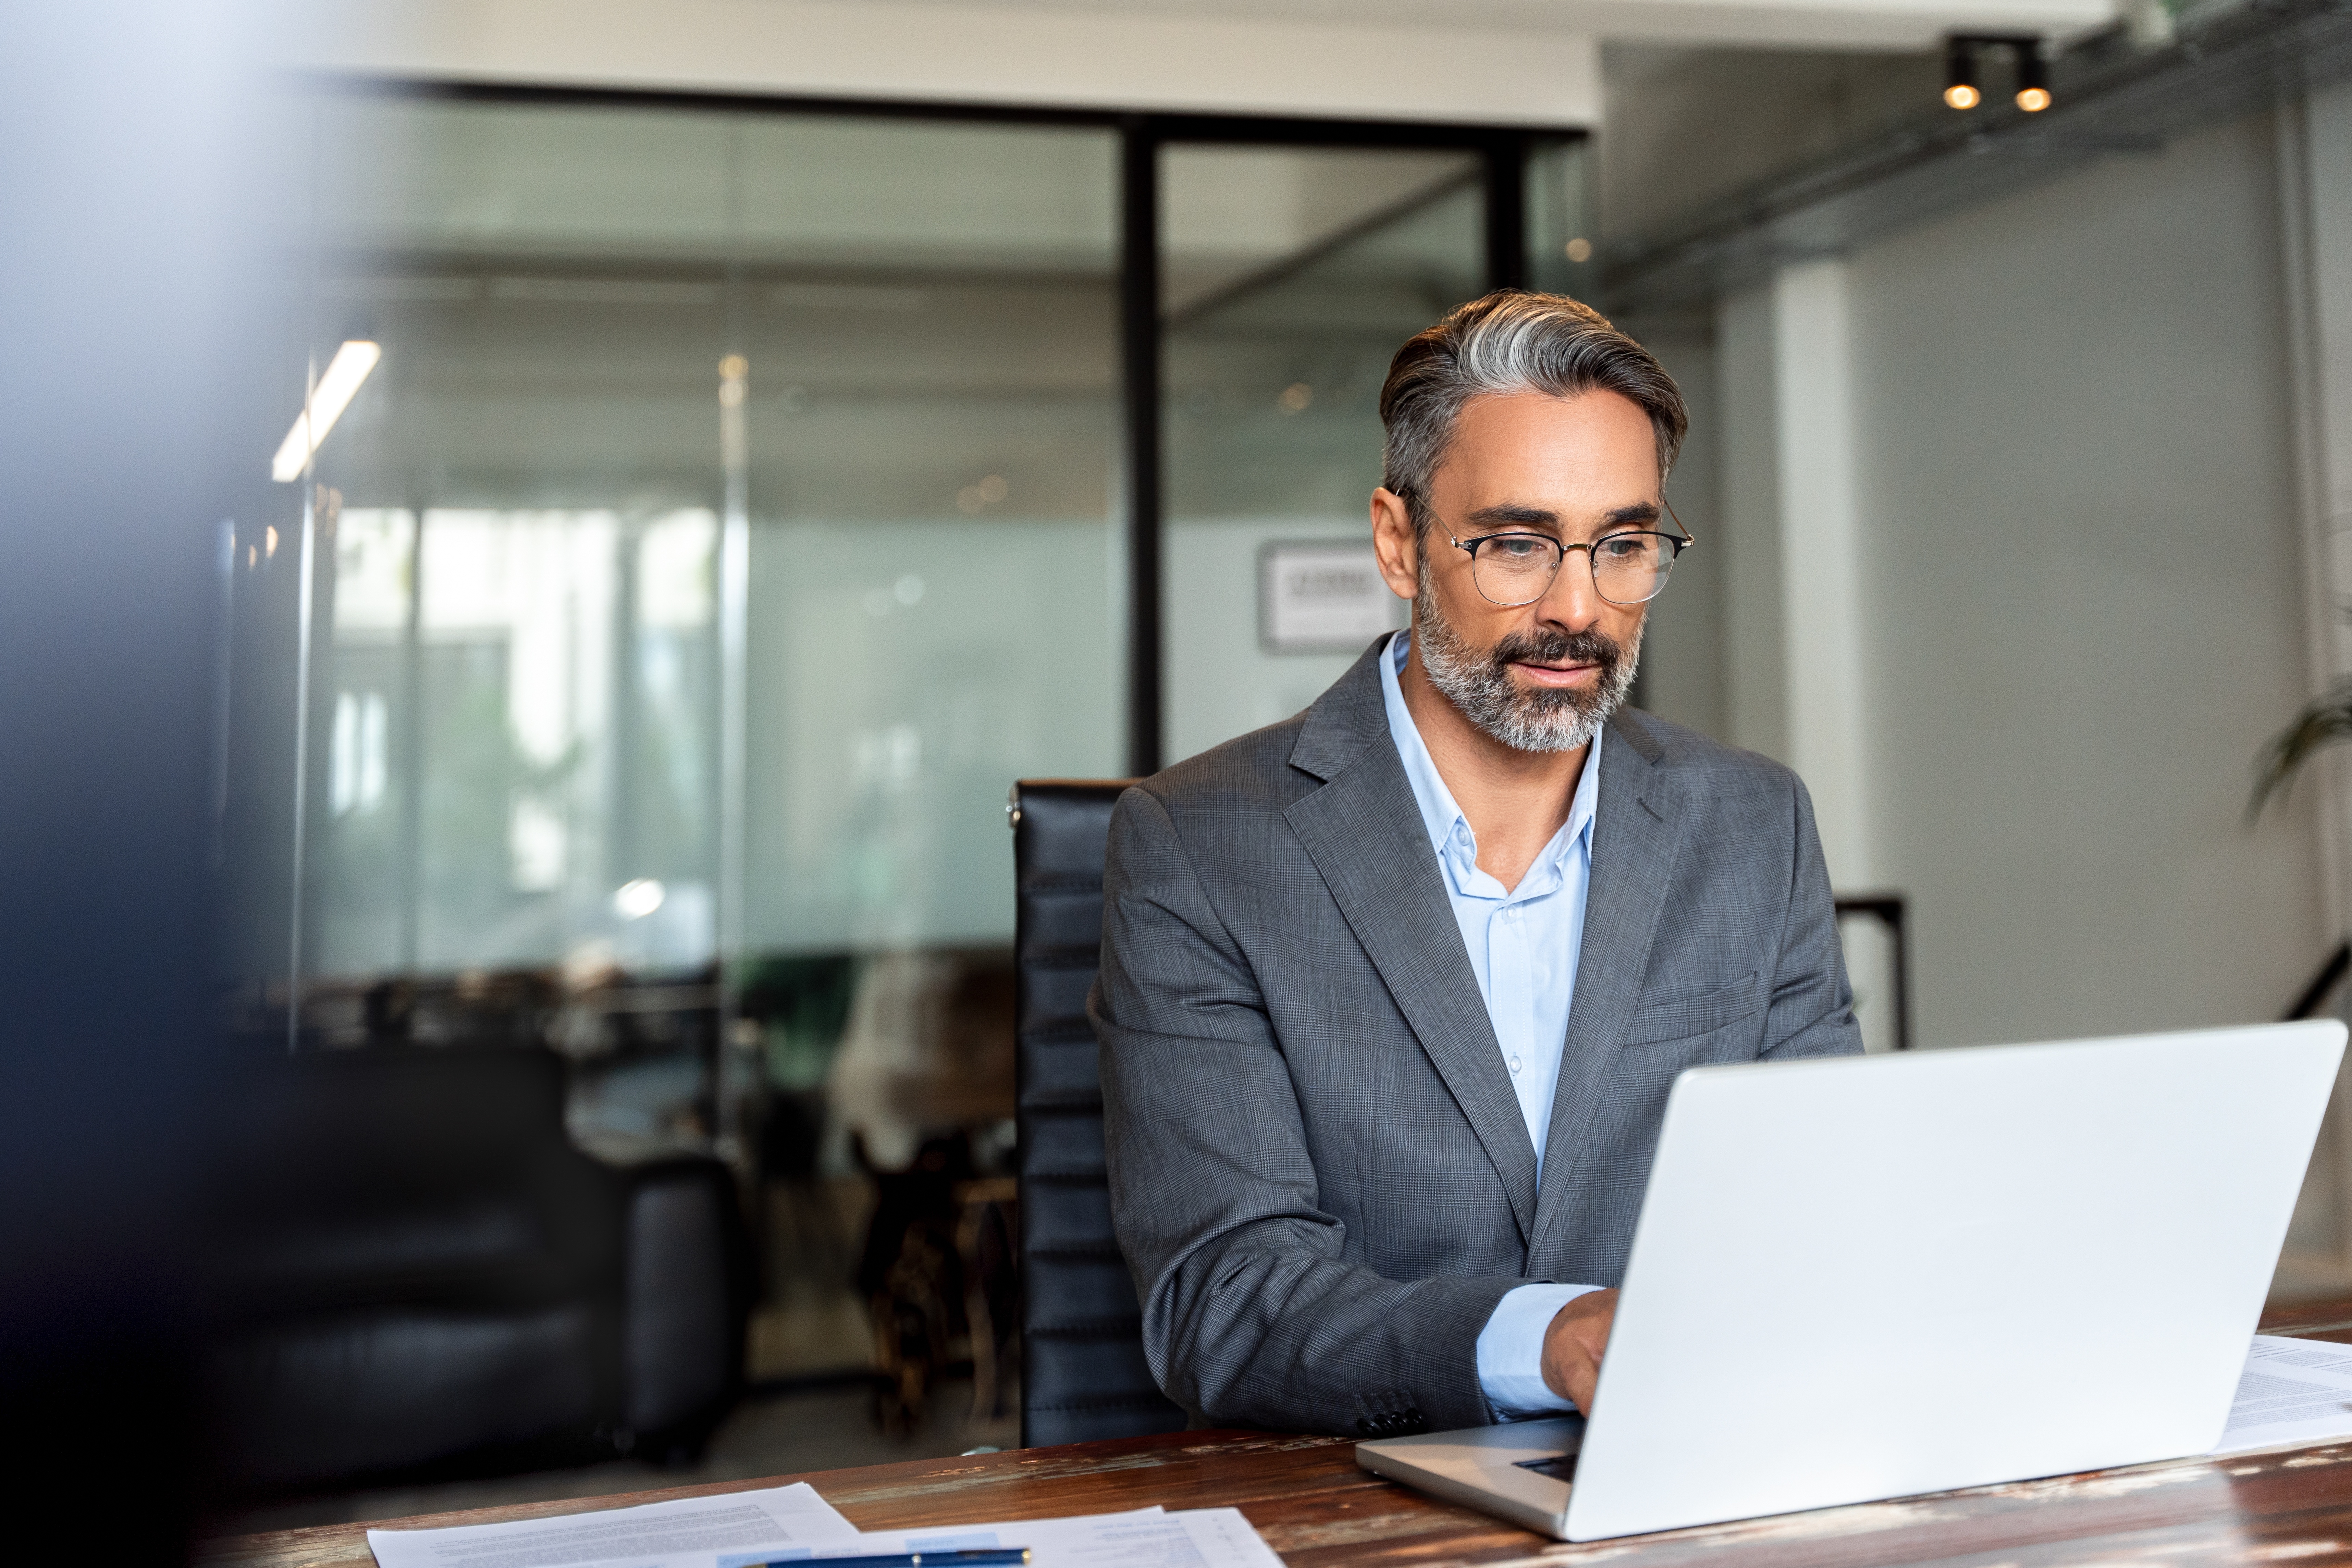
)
(1869, 1277)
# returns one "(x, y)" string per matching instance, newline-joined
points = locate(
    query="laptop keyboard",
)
(1559, 1466)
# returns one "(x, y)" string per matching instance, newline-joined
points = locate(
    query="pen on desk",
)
(971, 1558)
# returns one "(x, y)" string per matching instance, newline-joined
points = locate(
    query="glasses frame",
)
(1681, 542)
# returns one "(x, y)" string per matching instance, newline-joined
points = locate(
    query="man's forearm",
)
(1258, 1333)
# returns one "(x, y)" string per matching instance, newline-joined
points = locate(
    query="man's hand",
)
(1578, 1333)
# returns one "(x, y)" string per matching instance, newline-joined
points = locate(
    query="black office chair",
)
(1083, 1374)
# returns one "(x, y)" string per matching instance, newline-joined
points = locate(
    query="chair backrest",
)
(1083, 1374)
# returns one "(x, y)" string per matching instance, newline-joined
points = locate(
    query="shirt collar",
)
(1438, 813)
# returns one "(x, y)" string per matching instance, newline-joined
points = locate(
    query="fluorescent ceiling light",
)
(328, 399)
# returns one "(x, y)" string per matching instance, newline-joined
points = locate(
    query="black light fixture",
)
(1961, 53)
(1960, 74)
(2033, 79)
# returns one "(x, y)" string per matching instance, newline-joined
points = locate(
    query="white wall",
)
(1223, 681)
(2095, 506)
(1491, 61)
(2315, 147)
(2084, 609)
(1756, 677)
(1683, 643)
(1427, 67)
(2079, 603)
(1816, 397)
(1764, 24)
(2314, 150)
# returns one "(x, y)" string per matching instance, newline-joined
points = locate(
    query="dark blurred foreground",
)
(129, 362)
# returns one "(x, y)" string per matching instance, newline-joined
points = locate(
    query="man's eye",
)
(1517, 547)
(1625, 547)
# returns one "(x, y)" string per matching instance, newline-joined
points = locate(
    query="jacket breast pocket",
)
(1680, 1017)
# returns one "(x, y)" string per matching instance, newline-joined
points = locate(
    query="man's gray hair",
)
(1512, 342)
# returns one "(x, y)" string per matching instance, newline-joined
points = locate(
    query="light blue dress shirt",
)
(1523, 942)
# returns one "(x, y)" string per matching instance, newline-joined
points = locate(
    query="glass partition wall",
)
(1289, 277)
(742, 496)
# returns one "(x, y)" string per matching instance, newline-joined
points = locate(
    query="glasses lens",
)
(1515, 568)
(1630, 568)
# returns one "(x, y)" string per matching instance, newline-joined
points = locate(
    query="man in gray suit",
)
(1391, 994)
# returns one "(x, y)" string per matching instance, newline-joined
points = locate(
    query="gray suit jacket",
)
(1318, 1170)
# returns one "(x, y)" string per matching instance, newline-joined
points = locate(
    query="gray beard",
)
(1541, 719)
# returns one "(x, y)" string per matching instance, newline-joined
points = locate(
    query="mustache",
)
(1550, 645)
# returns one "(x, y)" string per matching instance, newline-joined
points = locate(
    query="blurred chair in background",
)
(420, 1274)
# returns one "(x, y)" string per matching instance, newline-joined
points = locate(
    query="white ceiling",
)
(1534, 62)
(966, 51)
(1857, 24)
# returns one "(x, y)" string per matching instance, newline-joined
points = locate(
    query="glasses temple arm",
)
(1689, 538)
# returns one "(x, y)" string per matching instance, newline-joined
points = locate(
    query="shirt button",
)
(1515, 1065)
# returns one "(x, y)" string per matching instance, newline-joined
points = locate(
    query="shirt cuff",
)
(1511, 1352)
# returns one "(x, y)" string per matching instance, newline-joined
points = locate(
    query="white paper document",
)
(691, 1532)
(792, 1524)
(2293, 1391)
(1147, 1538)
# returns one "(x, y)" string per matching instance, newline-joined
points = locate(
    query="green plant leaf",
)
(2321, 722)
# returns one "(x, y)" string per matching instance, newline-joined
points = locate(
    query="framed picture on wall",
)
(1322, 595)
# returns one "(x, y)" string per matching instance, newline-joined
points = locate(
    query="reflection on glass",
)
(1563, 238)
(931, 399)
(930, 410)
(527, 811)
(1290, 278)
(359, 852)
(608, 333)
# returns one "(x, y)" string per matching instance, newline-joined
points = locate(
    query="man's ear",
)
(1396, 543)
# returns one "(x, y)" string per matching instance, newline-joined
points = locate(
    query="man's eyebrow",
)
(1513, 514)
(1510, 514)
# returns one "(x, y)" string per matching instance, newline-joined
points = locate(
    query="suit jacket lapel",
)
(1636, 832)
(1365, 836)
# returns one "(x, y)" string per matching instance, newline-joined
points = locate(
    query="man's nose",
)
(1572, 600)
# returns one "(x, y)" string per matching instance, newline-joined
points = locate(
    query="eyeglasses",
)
(1628, 568)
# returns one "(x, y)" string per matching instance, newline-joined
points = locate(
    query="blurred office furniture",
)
(642, 1047)
(418, 1271)
(927, 1050)
(644, 1050)
(1084, 1375)
(922, 1089)
(940, 1280)
(797, 1008)
(1891, 911)
(988, 1244)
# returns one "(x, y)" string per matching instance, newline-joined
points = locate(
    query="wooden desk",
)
(1316, 1508)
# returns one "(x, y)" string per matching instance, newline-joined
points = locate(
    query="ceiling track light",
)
(1962, 52)
(2033, 79)
(1960, 74)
